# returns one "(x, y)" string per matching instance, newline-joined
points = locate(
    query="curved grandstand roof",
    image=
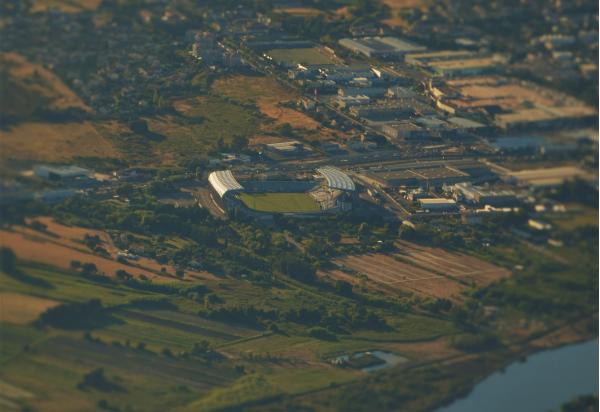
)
(336, 179)
(223, 182)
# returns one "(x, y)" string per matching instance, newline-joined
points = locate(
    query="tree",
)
(292, 265)
(89, 269)
(8, 260)
(343, 287)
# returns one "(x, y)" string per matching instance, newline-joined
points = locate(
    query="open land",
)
(66, 6)
(420, 270)
(187, 310)
(54, 142)
(268, 95)
(59, 245)
(28, 87)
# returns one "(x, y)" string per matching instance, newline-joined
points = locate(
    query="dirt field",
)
(299, 11)
(267, 93)
(66, 6)
(27, 87)
(397, 7)
(21, 309)
(53, 142)
(62, 244)
(419, 270)
(451, 264)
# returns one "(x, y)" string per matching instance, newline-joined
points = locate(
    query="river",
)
(542, 383)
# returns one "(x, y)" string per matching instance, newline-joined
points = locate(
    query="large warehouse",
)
(381, 47)
(330, 190)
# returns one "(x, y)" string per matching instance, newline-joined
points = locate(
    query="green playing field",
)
(280, 202)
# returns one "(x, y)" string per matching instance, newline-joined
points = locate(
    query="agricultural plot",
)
(18, 308)
(40, 247)
(267, 94)
(452, 264)
(195, 374)
(420, 270)
(280, 202)
(169, 328)
(398, 7)
(59, 245)
(54, 142)
(204, 123)
(299, 11)
(66, 6)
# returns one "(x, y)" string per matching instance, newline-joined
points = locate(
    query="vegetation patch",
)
(54, 142)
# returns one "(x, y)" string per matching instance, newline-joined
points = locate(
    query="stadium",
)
(328, 190)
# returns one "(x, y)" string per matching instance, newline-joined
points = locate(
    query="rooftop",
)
(336, 179)
(223, 182)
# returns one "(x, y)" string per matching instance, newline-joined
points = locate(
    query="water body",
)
(543, 383)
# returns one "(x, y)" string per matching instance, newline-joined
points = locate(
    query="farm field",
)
(420, 270)
(66, 6)
(54, 142)
(56, 359)
(312, 55)
(396, 8)
(171, 328)
(575, 217)
(59, 245)
(268, 95)
(299, 11)
(207, 124)
(280, 202)
(18, 308)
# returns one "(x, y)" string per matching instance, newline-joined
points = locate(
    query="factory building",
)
(452, 63)
(60, 172)
(425, 177)
(438, 205)
(478, 195)
(381, 47)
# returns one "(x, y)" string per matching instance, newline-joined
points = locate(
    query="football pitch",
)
(280, 202)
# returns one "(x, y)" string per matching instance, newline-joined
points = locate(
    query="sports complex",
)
(327, 190)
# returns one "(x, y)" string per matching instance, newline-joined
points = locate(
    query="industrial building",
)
(424, 176)
(60, 172)
(511, 103)
(452, 63)
(478, 195)
(381, 47)
(438, 205)
(549, 177)
(288, 148)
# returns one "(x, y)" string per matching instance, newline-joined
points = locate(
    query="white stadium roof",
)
(223, 182)
(336, 179)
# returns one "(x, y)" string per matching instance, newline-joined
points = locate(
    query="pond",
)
(542, 383)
